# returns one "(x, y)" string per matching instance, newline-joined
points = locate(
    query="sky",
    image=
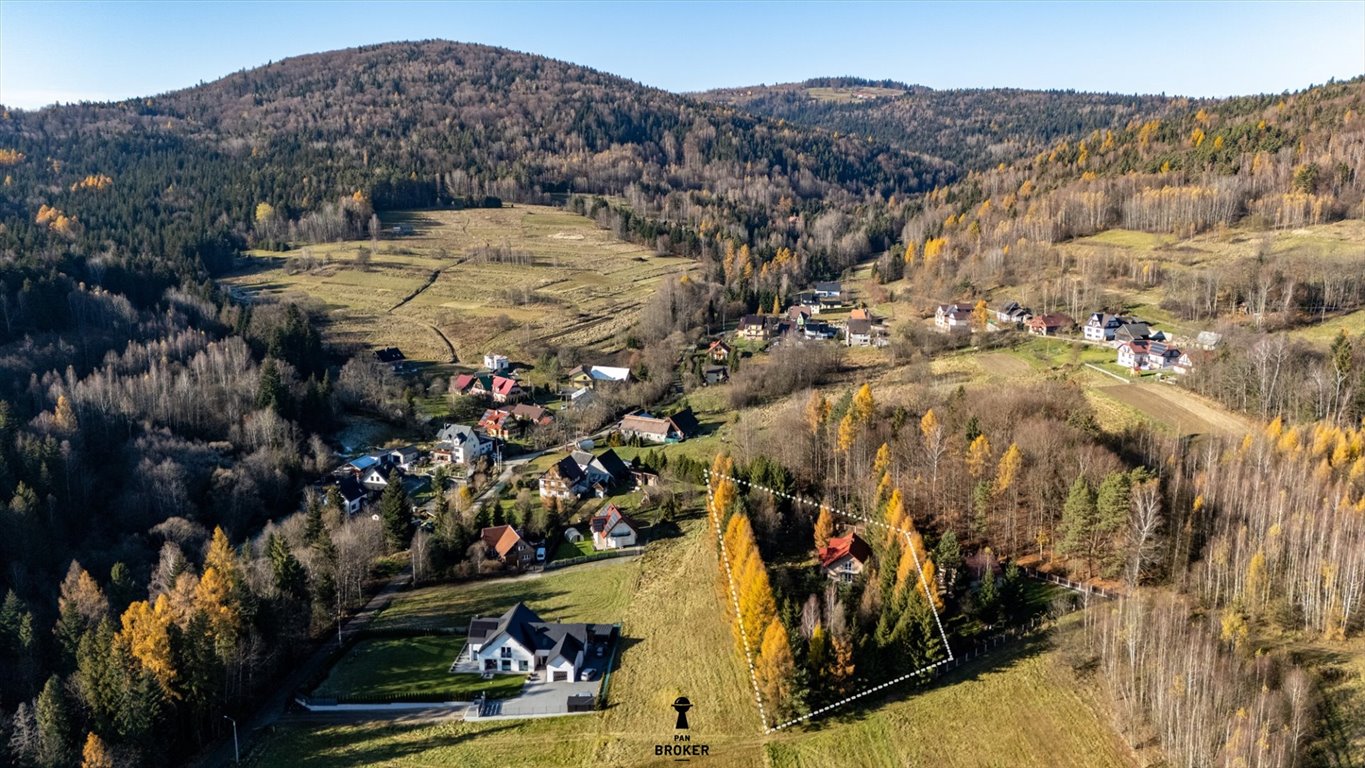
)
(71, 51)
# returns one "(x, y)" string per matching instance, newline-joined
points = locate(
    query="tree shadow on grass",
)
(998, 661)
(367, 744)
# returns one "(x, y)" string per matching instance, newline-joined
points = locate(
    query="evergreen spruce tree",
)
(53, 718)
(988, 598)
(291, 580)
(1078, 521)
(313, 527)
(1112, 510)
(396, 513)
(270, 391)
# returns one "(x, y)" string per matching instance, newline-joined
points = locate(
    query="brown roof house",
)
(510, 549)
(1049, 324)
(659, 429)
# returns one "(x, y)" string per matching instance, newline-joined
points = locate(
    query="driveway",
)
(549, 698)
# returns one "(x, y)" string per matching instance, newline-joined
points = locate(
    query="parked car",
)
(588, 674)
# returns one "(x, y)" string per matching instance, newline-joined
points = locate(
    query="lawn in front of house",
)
(568, 549)
(382, 669)
(595, 592)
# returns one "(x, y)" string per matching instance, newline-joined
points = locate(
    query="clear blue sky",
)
(55, 51)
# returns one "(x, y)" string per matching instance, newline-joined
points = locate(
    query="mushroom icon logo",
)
(681, 704)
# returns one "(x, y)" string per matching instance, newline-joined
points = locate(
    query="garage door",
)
(561, 677)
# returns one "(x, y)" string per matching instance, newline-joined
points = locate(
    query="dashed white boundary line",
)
(744, 638)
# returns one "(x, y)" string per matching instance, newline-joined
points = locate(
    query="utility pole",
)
(236, 750)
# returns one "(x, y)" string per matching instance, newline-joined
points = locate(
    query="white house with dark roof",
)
(1101, 326)
(520, 642)
(953, 317)
(581, 473)
(352, 494)
(461, 445)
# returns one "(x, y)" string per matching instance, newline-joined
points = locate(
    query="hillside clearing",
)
(506, 278)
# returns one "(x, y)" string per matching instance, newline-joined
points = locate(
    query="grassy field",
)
(596, 592)
(392, 667)
(572, 283)
(1176, 409)
(1019, 708)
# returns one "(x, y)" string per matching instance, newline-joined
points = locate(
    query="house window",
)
(506, 665)
(523, 665)
(506, 652)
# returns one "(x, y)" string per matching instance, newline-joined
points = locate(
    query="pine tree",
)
(1078, 520)
(122, 590)
(1112, 512)
(396, 512)
(949, 557)
(270, 391)
(290, 578)
(988, 597)
(53, 718)
(313, 527)
(81, 606)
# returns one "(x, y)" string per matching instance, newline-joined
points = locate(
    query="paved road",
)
(273, 708)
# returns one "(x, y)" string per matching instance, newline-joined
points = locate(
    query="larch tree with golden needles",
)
(980, 315)
(775, 669)
(978, 456)
(95, 754)
(824, 527)
(145, 635)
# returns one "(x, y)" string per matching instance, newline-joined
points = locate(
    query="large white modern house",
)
(519, 642)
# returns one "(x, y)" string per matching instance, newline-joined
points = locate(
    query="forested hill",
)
(971, 128)
(143, 415)
(412, 124)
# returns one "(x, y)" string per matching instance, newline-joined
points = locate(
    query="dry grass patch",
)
(556, 278)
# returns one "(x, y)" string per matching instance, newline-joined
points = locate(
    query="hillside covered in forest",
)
(152, 427)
